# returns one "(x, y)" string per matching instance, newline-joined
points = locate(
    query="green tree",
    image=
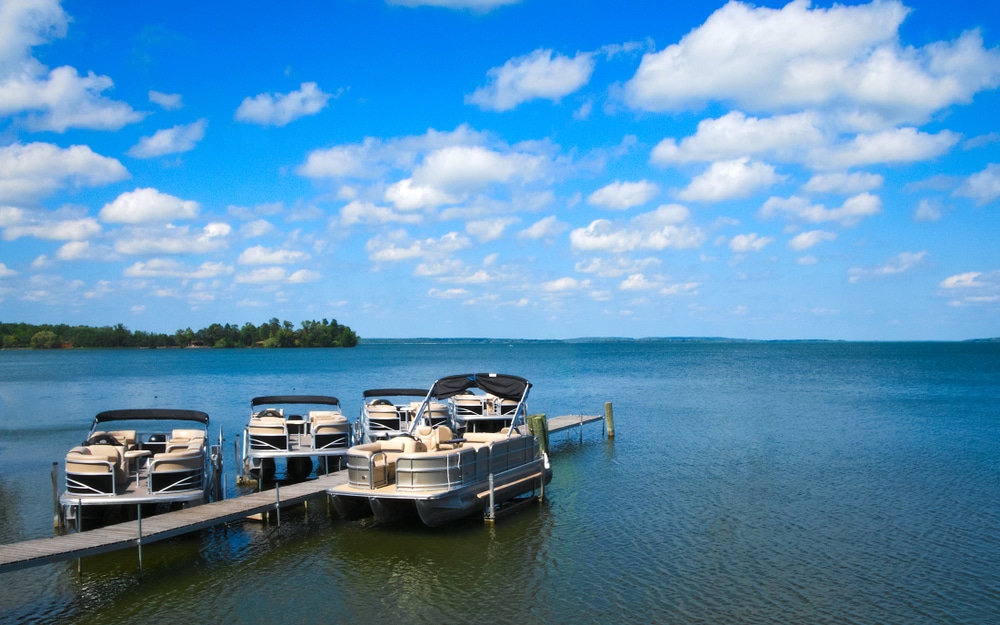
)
(45, 339)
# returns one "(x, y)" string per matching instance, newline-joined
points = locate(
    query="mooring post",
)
(492, 514)
(138, 516)
(609, 419)
(277, 502)
(57, 521)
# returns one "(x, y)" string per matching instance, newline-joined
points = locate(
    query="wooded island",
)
(274, 333)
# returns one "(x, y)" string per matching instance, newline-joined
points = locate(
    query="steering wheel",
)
(102, 439)
(381, 402)
(270, 412)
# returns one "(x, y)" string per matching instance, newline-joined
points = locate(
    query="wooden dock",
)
(16, 556)
(565, 422)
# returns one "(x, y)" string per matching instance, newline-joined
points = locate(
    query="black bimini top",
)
(503, 386)
(151, 414)
(395, 392)
(295, 399)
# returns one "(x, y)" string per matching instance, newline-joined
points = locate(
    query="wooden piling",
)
(609, 419)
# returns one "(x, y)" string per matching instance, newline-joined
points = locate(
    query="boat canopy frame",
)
(151, 414)
(294, 399)
(502, 385)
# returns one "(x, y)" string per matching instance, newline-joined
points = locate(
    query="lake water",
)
(784, 483)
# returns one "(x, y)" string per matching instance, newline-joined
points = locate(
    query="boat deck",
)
(16, 556)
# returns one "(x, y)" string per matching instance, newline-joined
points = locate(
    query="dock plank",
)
(565, 422)
(17, 556)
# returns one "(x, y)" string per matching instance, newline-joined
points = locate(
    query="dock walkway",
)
(16, 556)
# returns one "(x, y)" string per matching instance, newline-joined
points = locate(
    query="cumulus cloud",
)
(901, 145)
(394, 247)
(846, 57)
(29, 172)
(900, 263)
(358, 212)
(260, 255)
(545, 228)
(535, 75)
(746, 243)
(174, 240)
(167, 101)
(467, 169)
(169, 268)
(616, 266)
(147, 205)
(182, 138)
(736, 135)
(725, 180)
(56, 99)
(623, 195)
(53, 229)
(485, 230)
(666, 227)
(6, 272)
(843, 183)
(983, 187)
(806, 240)
(269, 109)
(853, 210)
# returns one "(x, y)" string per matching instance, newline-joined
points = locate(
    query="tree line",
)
(273, 333)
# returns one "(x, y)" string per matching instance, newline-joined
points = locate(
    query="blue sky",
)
(504, 168)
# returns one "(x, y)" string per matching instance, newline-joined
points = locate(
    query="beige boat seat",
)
(329, 428)
(95, 469)
(125, 437)
(176, 470)
(268, 433)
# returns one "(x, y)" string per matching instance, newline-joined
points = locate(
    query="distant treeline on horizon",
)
(274, 333)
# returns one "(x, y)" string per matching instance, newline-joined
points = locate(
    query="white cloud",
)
(269, 109)
(843, 183)
(746, 243)
(968, 280)
(901, 145)
(623, 195)
(485, 230)
(344, 161)
(536, 75)
(174, 240)
(304, 275)
(32, 171)
(545, 228)
(846, 57)
(615, 267)
(168, 101)
(52, 100)
(807, 240)
(900, 263)
(182, 138)
(928, 210)
(467, 169)
(725, 180)
(407, 196)
(849, 214)
(358, 212)
(169, 268)
(54, 229)
(735, 135)
(6, 272)
(260, 255)
(147, 205)
(666, 227)
(564, 285)
(394, 248)
(984, 186)
(973, 288)
(82, 250)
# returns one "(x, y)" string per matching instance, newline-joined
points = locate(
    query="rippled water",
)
(749, 483)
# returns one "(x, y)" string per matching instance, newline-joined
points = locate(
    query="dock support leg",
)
(277, 502)
(609, 419)
(138, 516)
(57, 517)
(492, 514)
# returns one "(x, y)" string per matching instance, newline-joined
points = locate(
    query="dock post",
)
(277, 502)
(609, 419)
(138, 542)
(57, 520)
(492, 515)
